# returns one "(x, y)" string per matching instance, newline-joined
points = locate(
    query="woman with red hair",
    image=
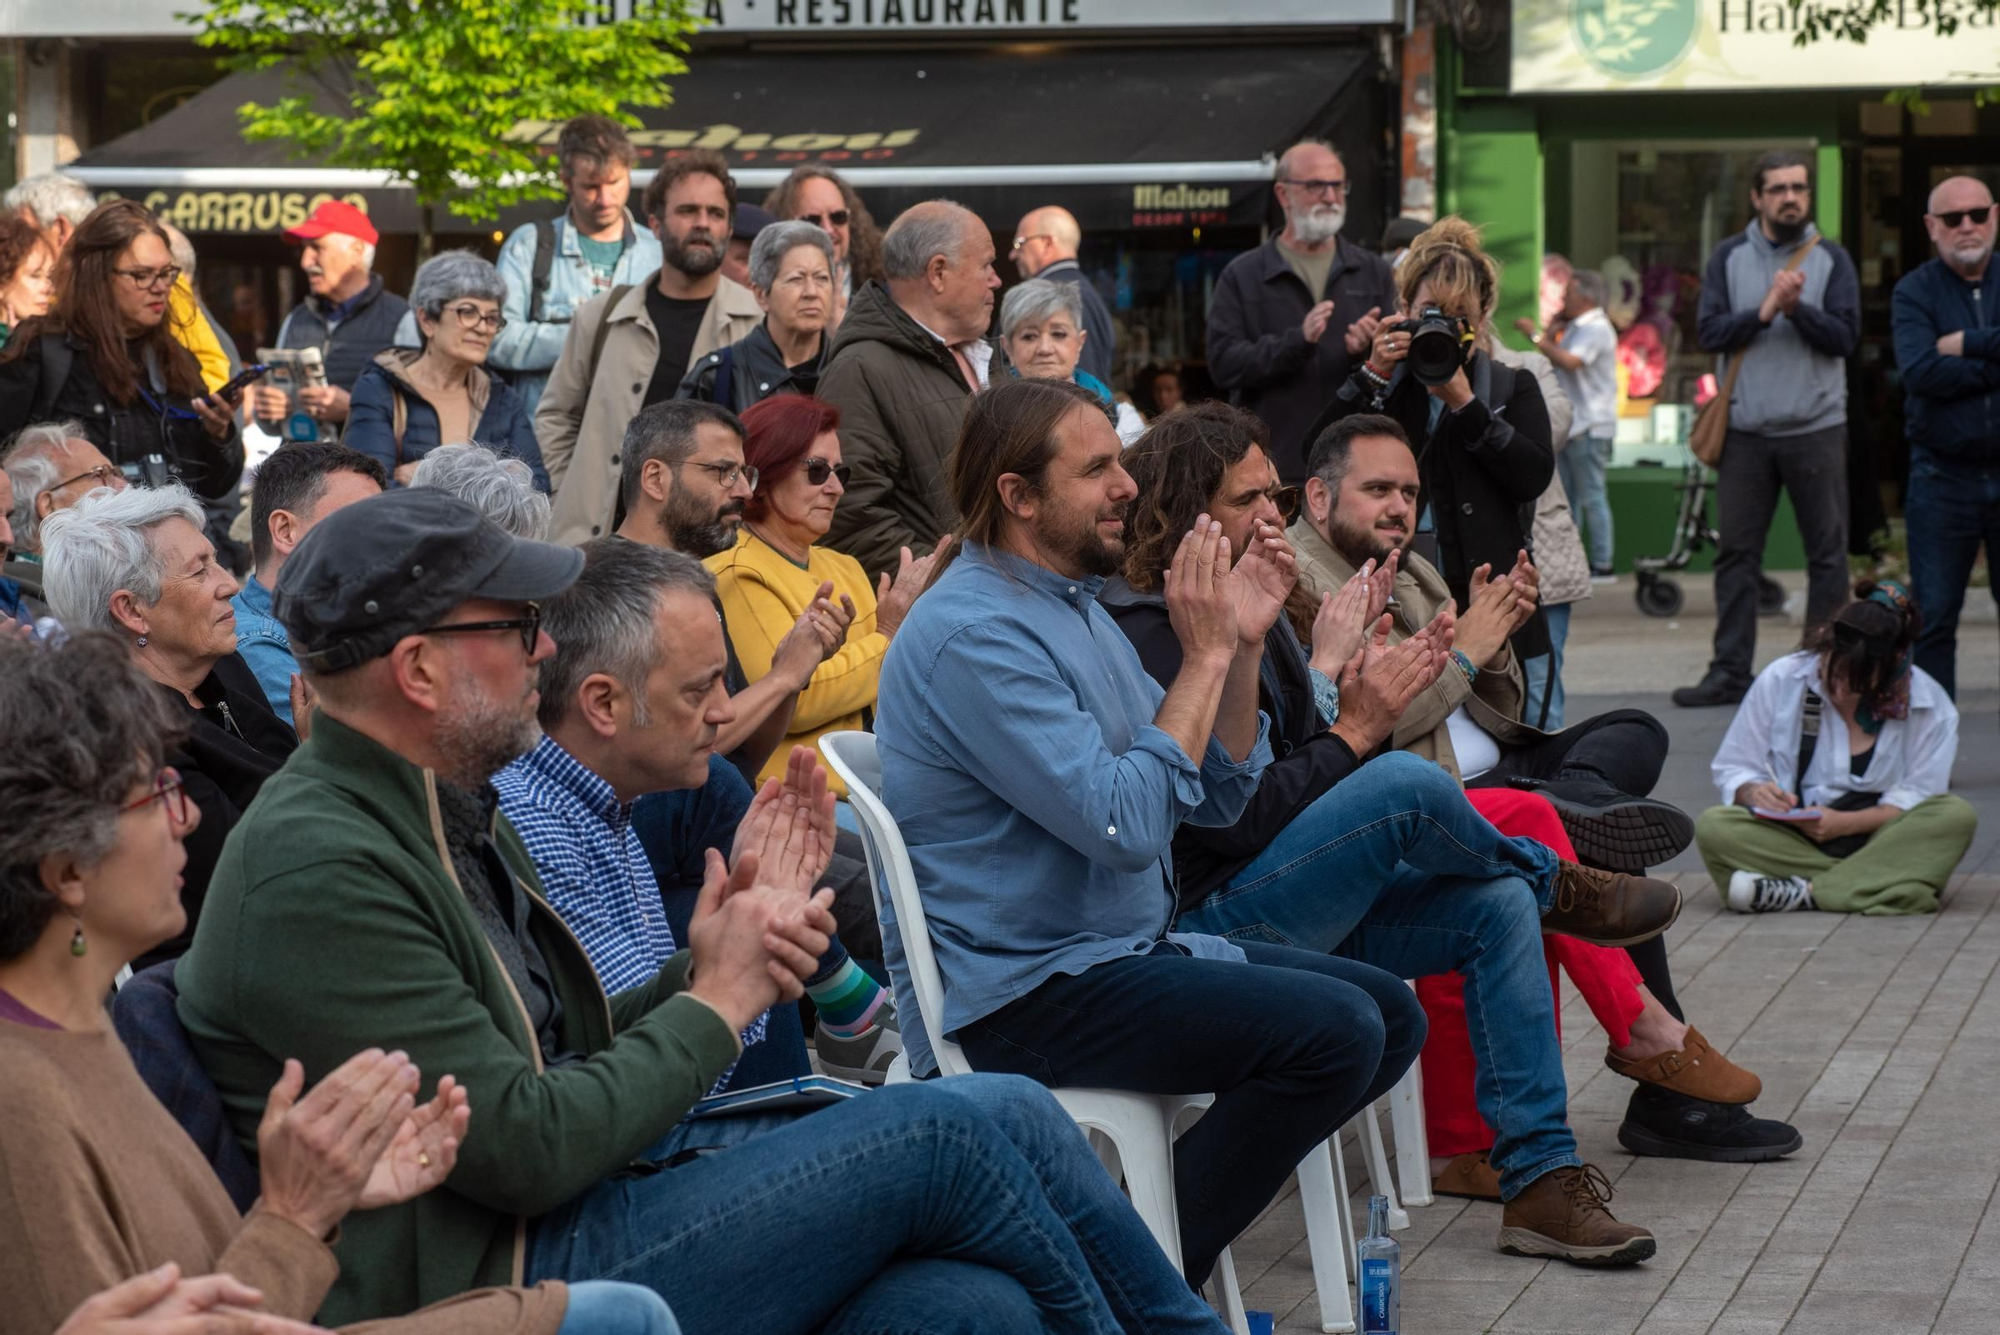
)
(777, 569)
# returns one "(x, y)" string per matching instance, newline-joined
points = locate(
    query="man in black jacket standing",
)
(1292, 318)
(1946, 315)
(1396, 870)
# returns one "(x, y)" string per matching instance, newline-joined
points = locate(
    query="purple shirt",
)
(11, 1009)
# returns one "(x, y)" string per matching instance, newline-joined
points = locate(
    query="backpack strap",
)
(611, 299)
(538, 277)
(57, 356)
(725, 378)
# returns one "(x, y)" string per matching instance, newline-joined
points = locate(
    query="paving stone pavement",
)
(1878, 1037)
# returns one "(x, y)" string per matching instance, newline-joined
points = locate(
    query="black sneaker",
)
(1615, 830)
(1667, 1125)
(1711, 691)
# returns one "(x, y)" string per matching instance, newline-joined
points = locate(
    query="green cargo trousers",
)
(1902, 868)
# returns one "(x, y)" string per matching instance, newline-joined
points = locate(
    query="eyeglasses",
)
(471, 317)
(825, 221)
(1022, 241)
(819, 470)
(150, 280)
(102, 474)
(169, 789)
(1287, 500)
(1317, 187)
(530, 627)
(727, 473)
(1957, 216)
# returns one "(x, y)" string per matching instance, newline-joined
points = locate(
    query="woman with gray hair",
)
(135, 563)
(1041, 327)
(410, 401)
(501, 489)
(791, 273)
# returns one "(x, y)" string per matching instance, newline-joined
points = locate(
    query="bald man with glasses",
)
(1946, 318)
(1291, 317)
(1046, 246)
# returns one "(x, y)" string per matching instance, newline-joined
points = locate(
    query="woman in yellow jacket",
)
(776, 570)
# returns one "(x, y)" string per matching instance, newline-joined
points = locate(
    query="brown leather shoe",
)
(1561, 1214)
(1610, 908)
(1697, 1070)
(1471, 1176)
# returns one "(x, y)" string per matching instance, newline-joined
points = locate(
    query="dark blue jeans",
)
(1953, 507)
(1393, 867)
(1292, 1045)
(969, 1204)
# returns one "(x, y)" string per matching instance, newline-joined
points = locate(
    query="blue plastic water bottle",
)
(1378, 1270)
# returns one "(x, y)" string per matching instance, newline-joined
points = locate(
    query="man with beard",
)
(1038, 775)
(631, 347)
(1786, 299)
(1947, 323)
(910, 353)
(1361, 506)
(378, 892)
(1273, 309)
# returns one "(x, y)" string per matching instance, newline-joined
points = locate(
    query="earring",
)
(77, 945)
(142, 642)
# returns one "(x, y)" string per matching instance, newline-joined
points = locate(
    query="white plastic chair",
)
(1138, 1127)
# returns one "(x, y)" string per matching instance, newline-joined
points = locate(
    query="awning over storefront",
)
(1123, 137)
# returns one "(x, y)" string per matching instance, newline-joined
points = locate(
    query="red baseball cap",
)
(334, 216)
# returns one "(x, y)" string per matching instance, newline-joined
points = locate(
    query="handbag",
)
(1711, 425)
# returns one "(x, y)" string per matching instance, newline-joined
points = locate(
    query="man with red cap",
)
(346, 315)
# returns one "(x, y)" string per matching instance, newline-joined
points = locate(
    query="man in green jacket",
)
(374, 897)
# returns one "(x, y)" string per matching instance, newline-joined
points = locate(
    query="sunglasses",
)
(819, 470)
(837, 218)
(1287, 500)
(1957, 216)
(530, 627)
(170, 790)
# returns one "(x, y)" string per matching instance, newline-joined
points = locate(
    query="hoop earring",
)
(79, 947)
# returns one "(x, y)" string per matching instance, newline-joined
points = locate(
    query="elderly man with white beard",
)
(1275, 306)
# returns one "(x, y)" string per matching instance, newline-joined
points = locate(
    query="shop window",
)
(1648, 216)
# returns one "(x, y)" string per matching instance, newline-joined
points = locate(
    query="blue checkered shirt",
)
(594, 871)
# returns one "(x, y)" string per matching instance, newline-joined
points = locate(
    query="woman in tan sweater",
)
(99, 1186)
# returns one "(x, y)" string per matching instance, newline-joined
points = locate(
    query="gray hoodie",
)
(1795, 380)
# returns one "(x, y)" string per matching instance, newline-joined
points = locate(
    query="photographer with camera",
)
(105, 358)
(1481, 430)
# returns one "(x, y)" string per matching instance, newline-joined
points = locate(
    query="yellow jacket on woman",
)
(764, 593)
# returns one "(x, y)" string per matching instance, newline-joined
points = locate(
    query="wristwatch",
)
(1326, 695)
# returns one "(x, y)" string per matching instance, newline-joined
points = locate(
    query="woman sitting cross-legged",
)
(1836, 773)
(407, 403)
(104, 1187)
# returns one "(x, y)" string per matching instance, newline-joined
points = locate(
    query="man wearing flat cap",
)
(373, 897)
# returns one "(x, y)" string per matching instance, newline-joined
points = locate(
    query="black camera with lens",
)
(1440, 344)
(151, 471)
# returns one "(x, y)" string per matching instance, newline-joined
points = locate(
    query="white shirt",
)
(1912, 760)
(1592, 389)
(1475, 748)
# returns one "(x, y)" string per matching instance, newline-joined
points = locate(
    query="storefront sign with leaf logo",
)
(1565, 46)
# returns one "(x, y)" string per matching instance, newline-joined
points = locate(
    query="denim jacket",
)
(262, 643)
(527, 349)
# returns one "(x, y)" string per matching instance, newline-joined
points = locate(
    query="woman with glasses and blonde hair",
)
(136, 564)
(410, 401)
(104, 356)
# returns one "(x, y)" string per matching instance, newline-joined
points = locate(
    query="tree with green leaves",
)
(428, 90)
(1852, 22)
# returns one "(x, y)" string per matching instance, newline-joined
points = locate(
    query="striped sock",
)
(847, 999)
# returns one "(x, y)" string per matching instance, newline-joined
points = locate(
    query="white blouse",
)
(1913, 756)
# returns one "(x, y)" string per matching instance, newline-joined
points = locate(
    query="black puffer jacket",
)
(1306, 759)
(757, 371)
(1483, 469)
(54, 380)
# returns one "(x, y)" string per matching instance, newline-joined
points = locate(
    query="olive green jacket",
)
(335, 923)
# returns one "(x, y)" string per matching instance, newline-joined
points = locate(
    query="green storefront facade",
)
(1619, 133)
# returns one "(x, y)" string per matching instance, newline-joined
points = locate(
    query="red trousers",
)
(1607, 980)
